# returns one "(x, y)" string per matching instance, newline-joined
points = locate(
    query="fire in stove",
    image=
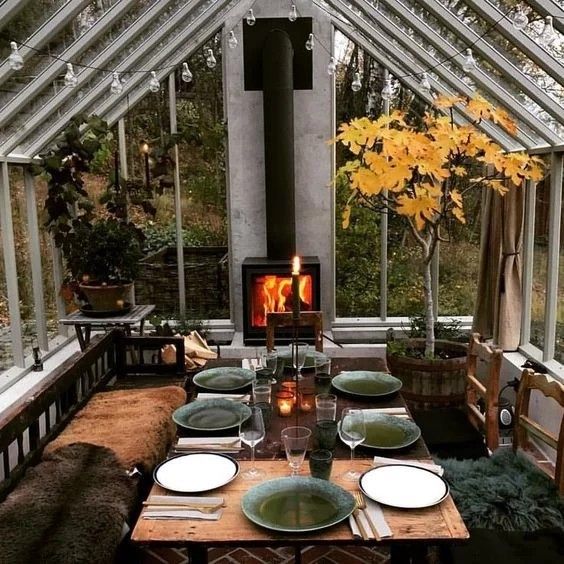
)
(271, 292)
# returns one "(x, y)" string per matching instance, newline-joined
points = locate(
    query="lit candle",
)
(307, 400)
(285, 403)
(296, 288)
(290, 387)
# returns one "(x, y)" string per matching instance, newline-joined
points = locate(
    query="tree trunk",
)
(429, 314)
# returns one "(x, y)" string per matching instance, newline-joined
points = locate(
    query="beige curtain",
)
(499, 299)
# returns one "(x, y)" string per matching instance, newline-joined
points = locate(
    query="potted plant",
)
(101, 248)
(422, 173)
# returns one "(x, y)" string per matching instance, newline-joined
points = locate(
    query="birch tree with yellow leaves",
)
(424, 173)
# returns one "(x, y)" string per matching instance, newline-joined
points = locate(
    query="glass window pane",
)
(559, 351)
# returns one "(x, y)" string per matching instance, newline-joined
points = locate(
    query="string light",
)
(187, 75)
(469, 63)
(425, 84)
(293, 14)
(232, 40)
(310, 42)
(332, 66)
(154, 84)
(71, 79)
(15, 60)
(548, 36)
(210, 59)
(116, 86)
(356, 83)
(520, 20)
(251, 20)
(387, 91)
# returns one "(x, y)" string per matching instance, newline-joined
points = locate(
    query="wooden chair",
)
(457, 433)
(545, 543)
(284, 319)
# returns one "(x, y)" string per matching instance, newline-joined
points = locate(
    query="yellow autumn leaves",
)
(419, 171)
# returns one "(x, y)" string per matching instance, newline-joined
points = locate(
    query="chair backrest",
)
(525, 426)
(284, 319)
(486, 388)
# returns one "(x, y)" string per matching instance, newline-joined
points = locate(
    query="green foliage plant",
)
(423, 172)
(102, 249)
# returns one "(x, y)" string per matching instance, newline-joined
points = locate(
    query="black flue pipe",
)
(278, 104)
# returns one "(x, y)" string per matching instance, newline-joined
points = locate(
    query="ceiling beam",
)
(481, 78)
(100, 61)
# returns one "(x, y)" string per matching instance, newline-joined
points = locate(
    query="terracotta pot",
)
(432, 383)
(107, 297)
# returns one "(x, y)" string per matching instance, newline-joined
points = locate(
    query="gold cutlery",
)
(356, 514)
(203, 508)
(361, 504)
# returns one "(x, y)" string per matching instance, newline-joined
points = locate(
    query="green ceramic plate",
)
(297, 504)
(388, 431)
(312, 357)
(211, 415)
(224, 378)
(366, 383)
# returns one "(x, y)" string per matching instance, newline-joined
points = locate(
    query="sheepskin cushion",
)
(505, 491)
(70, 508)
(135, 424)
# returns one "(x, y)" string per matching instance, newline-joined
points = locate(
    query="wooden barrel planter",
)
(430, 383)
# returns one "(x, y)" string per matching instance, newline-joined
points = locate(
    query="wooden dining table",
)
(412, 529)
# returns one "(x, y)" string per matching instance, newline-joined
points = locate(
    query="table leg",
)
(80, 337)
(400, 554)
(198, 554)
(298, 555)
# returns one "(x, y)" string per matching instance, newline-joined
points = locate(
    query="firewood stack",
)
(197, 351)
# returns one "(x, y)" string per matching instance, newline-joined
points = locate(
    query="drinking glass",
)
(251, 432)
(320, 463)
(323, 375)
(298, 353)
(352, 431)
(326, 407)
(262, 390)
(325, 435)
(269, 361)
(295, 441)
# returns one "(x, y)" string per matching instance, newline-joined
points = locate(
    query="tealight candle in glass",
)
(284, 403)
(290, 386)
(307, 400)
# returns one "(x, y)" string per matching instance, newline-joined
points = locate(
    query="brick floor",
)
(284, 555)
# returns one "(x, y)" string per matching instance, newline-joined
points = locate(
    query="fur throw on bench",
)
(135, 424)
(70, 508)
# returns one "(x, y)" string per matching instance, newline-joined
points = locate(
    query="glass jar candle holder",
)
(284, 403)
(290, 386)
(307, 400)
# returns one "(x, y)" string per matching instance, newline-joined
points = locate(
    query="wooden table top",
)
(434, 524)
(138, 313)
(439, 523)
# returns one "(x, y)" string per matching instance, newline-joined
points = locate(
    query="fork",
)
(201, 508)
(356, 514)
(361, 504)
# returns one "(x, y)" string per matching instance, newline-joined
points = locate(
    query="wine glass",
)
(251, 432)
(352, 431)
(298, 354)
(295, 441)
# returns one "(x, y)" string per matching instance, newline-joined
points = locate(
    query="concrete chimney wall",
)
(313, 127)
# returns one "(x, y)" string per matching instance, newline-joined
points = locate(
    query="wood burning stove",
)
(267, 286)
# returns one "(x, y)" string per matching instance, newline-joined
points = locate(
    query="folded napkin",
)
(233, 397)
(382, 461)
(208, 443)
(372, 519)
(181, 507)
(398, 411)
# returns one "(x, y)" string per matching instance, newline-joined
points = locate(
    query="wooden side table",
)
(83, 324)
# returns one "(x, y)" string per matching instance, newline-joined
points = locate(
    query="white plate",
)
(196, 472)
(406, 487)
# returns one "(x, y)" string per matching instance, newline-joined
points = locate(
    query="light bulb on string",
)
(293, 14)
(520, 20)
(356, 83)
(469, 63)
(116, 87)
(251, 20)
(154, 84)
(232, 40)
(310, 42)
(187, 75)
(71, 79)
(425, 84)
(548, 36)
(332, 66)
(387, 91)
(15, 60)
(210, 59)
